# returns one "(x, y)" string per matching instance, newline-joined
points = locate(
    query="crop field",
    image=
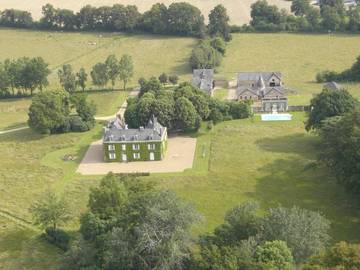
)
(298, 56)
(239, 11)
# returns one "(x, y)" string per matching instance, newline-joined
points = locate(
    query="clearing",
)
(239, 11)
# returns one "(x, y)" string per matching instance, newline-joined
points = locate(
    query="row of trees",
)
(23, 76)
(332, 15)
(111, 70)
(51, 112)
(184, 108)
(350, 75)
(177, 19)
(131, 224)
(335, 116)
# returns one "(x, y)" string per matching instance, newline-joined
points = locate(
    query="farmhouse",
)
(121, 144)
(264, 87)
(204, 80)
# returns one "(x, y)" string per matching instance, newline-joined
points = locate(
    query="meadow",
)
(298, 56)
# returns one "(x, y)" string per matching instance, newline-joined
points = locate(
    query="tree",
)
(82, 78)
(219, 23)
(341, 256)
(219, 45)
(276, 255)
(85, 110)
(99, 75)
(331, 19)
(126, 69)
(113, 69)
(67, 78)
(49, 111)
(204, 56)
(185, 113)
(185, 19)
(263, 14)
(300, 7)
(339, 146)
(131, 225)
(305, 232)
(163, 109)
(156, 19)
(48, 21)
(328, 104)
(50, 211)
(151, 85)
(173, 79)
(163, 78)
(201, 105)
(145, 108)
(16, 18)
(5, 82)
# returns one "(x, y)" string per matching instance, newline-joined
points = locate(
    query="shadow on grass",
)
(299, 143)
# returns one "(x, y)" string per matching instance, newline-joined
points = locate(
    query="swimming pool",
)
(276, 117)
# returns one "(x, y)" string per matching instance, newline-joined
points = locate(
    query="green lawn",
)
(221, 93)
(298, 56)
(272, 163)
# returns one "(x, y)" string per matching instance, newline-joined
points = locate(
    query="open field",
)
(298, 56)
(268, 162)
(87, 49)
(239, 11)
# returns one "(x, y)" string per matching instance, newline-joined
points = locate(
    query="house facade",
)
(121, 144)
(264, 87)
(204, 80)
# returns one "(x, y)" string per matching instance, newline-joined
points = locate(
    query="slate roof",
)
(332, 86)
(152, 132)
(203, 79)
(263, 93)
(255, 76)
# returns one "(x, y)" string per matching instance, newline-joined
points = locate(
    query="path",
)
(19, 221)
(122, 109)
(12, 130)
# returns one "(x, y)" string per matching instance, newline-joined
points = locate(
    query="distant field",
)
(87, 49)
(239, 11)
(298, 56)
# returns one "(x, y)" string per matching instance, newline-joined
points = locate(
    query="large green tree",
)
(126, 69)
(113, 69)
(328, 104)
(67, 78)
(99, 75)
(219, 23)
(275, 255)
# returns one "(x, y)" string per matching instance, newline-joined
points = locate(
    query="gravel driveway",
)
(179, 156)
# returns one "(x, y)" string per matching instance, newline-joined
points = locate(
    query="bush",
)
(210, 125)
(77, 124)
(57, 237)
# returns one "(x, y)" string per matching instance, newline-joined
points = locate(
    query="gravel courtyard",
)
(179, 156)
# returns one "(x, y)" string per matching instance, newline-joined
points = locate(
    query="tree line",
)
(177, 19)
(331, 16)
(184, 108)
(132, 224)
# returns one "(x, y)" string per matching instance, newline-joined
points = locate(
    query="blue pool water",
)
(276, 117)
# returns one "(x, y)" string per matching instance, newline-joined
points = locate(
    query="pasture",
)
(239, 11)
(298, 56)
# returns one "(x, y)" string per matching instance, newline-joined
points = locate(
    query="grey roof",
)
(255, 76)
(152, 132)
(203, 79)
(332, 86)
(261, 93)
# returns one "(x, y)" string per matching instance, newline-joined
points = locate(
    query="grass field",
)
(239, 11)
(87, 49)
(298, 56)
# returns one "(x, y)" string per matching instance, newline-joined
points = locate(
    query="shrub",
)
(210, 125)
(57, 237)
(77, 124)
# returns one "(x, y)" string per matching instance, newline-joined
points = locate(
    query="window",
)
(136, 147)
(136, 155)
(151, 146)
(123, 147)
(112, 156)
(272, 84)
(111, 147)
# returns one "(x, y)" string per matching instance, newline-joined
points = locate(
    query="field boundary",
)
(19, 221)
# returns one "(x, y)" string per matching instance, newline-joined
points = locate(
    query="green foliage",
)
(275, 255)
(305, 232)
(173, 79)
(99, 74)
(126, 69)
(328, 104)
(67, 78)
(185, 113)
(130, 225)
(219, 23)
(50, 210)
(340, 148)
(205, 56)
(113, 68)
(49, 111)
(82, 77)
(58, 238)
(16, 18)
(300, 7)
(341, 256)
(163, 78)
(219, 45)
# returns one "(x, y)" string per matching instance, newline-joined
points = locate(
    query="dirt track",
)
(239, 10)
(179, 156)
